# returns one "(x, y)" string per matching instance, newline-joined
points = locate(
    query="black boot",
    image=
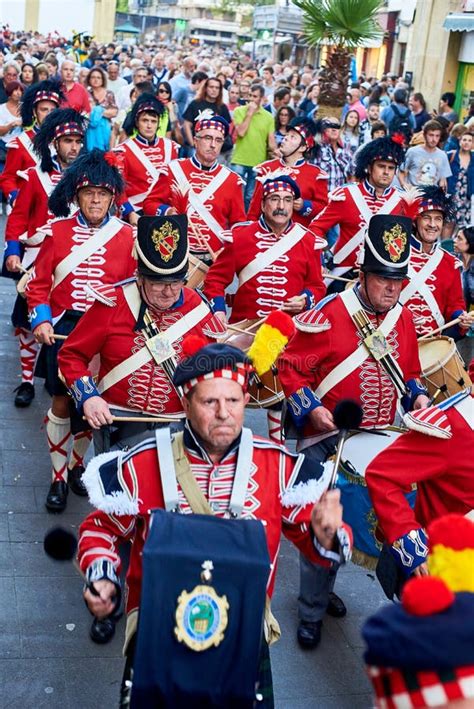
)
(25, 394)
(102, 631)
(309, 634)
(74, 480)
(336, 607)
(56, 499)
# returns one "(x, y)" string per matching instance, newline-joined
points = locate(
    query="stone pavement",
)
(46, 656)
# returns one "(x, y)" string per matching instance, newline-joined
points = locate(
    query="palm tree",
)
(344, 25)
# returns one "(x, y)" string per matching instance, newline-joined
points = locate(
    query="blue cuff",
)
(307, 208)
(301, 402)
(454, 331)
(82, 389)
(12, 248)
(100, 570)
(218, 304)
(12, 197)
(415, 388)
(410, 551)
(126, 208)
(42, 313)
(162, 209)
(310, 299)
(343, 551)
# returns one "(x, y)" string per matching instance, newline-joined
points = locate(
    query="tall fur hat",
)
(95, 168)
(48, 90)
(144, 103)
(63, 121)
(306, 128)
(388, 148)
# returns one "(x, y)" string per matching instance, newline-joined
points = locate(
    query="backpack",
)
(400, 123)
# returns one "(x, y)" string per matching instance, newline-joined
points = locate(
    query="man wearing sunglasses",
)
(209, 193)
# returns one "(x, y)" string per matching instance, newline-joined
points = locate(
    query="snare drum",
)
(265, 391)
(359, 450)
(443, 370)
(197, 272)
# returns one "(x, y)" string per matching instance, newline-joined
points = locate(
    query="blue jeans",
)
(316, 582)
(248, 175)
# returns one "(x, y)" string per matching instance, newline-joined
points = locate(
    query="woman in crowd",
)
(28, 75)
(104, 109)
(42, 72)
(169, 126)
(350, 130)
(309, 104)
(461, 182)
(10, 119)
(464, 247)
(283, 116)
(455, 134)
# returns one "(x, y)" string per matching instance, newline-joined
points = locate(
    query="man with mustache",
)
(277, 264)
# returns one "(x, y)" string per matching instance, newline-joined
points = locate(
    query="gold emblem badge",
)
(377, 345)
(166, 240)
(395, 241)
(160, 347)
(201, 615)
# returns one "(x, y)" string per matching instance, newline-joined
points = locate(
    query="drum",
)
(265, 391)
(359, 450)
(21, 284)
(197, 272)
(443, 370)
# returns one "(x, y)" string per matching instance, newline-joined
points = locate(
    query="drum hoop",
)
(440, 363)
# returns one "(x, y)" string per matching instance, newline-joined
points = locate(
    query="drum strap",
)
(419, 284)
(196, 201)
(143, 356)
(365, 216)
(137, 199)
(80, 254)
(284, 244)
(359, 356)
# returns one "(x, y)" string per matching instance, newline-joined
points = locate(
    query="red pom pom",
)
(426, 595)
(192, 344)
(111, 158)
(453, 531)
(399, 138)
(281, 321)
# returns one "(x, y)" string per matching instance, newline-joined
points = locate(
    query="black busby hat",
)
(432, 198)
(145, 103)
(63, 121)
(390, 149)
(214, 123)
(387, 246)
(48, 90)
(218, 360)
(162, 247)
(96, 168)
(306, 128)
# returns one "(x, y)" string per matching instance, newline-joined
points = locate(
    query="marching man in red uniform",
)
(144, 153)
(122, 321)
(38, 102)
(434, 292)
(61, 135)
(295, 149)
(436, 455)
(360, 345)
(208, 193)
(86, 250)
(214, 381)
(352, 206)
(277, 263)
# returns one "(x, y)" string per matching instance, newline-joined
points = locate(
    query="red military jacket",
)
(295, 272)
(212, 198)
(442, 469)
(133, 485)
(140, 164)
(30, 215)
(352, 207)
(111, 329)
(56, 285)
(434, 293)
(312, 181)
(20, 157)
(326, 338)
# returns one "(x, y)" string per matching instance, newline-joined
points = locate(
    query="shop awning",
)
(459, 22)
(127, 27)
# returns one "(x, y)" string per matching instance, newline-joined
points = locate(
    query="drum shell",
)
(197, 272)
(442, 368)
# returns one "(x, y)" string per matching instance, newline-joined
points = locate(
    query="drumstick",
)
(440, 329)
(202, 241)
(336, 278)
(139, 419)
(59, 337)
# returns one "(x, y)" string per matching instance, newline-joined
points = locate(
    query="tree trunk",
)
(334, 78)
